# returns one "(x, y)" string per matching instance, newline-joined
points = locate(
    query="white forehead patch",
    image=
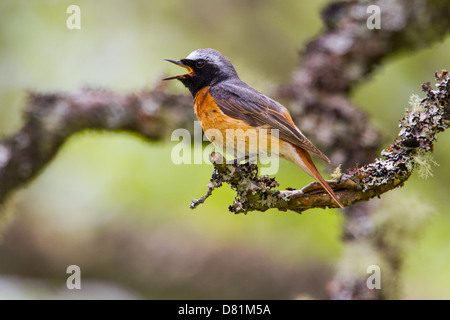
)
(209, 56)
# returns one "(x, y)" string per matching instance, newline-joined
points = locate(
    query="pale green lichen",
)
(422, 162)
(337, 173)
(415, 103)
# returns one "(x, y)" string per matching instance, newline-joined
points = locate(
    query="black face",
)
(201, 73)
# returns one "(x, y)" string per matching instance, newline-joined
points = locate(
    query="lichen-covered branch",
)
(332, 64)
(342, 56)
(49, 119)
(418, 132)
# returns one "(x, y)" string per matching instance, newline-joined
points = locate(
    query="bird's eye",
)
(200, 63)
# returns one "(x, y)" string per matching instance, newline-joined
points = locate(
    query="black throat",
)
(194, 84)
(210, 75)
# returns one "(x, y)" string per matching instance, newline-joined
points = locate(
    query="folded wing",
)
(238, 100)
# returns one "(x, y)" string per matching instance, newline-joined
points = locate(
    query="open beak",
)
(181, 64)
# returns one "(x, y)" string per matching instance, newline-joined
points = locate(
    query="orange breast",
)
(211, 117)
(232, 136)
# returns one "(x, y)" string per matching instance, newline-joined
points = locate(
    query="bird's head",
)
(205, 67)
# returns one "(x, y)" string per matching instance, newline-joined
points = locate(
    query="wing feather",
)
(238, 100)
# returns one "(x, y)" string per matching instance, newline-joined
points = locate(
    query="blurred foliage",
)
(100, 178)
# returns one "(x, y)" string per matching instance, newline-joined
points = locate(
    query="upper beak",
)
(181, 64)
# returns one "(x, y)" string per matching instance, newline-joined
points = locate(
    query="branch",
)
(336, 61)
(418, 132)
(52, 118)
(341, 57)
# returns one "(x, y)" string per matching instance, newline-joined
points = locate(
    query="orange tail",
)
(306, 158)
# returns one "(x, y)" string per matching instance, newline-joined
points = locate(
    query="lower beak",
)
(181, 64)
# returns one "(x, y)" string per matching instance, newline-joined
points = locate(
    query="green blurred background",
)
(117, 181)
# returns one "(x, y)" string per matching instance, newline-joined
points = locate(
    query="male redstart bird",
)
(222, 102)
